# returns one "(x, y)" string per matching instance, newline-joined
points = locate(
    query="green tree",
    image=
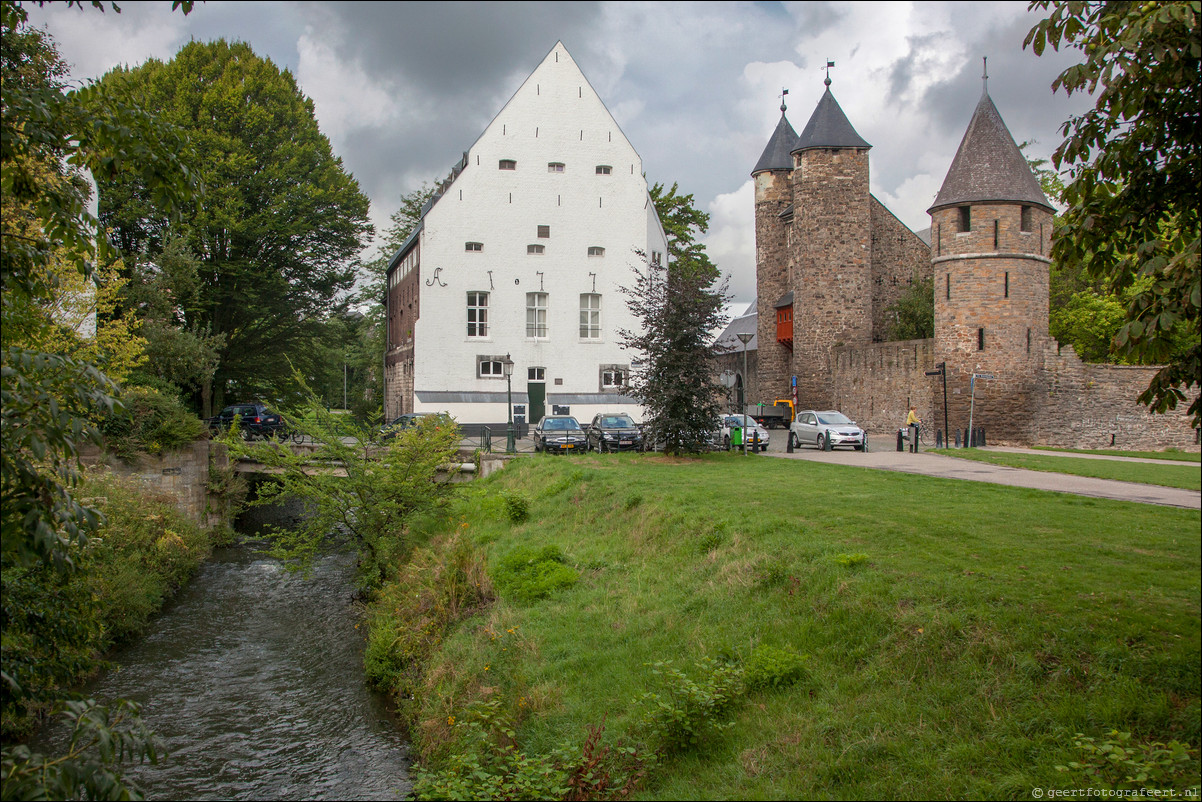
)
(279, 229)
(679, 306)
(1134, 166)
(48, 138)
(913, 315)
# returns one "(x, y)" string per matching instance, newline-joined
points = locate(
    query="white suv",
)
(814, 428)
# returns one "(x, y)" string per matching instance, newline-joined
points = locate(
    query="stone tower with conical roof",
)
(773, 178)
(991, 228)
(832, 231)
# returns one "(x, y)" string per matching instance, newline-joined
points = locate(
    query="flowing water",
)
(253, 679)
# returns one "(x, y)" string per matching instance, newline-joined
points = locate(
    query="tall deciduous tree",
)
(281, 221)
(679, 307)
(1134, 167)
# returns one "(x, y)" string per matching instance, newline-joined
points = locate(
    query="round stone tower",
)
(832, 247)
(991, 229)
(773, 177)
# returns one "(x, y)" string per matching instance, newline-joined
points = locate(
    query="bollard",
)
(789, 442)
(900, 447)
(938, 438)
(755, 441)
(981, 439)
(913, 439)
(957, 438)
(829, 447)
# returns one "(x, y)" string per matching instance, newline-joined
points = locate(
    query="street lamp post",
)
(744, 337)
(507, 367)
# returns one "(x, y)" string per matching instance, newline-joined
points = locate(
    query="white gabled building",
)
(523, 253)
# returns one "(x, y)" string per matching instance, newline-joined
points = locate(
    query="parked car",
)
(613, 431)
(255, 420)
(408, 421)
(751, 429)
(813, 427)
(559, 433)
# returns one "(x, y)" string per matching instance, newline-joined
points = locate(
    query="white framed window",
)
(604, 169)
(475, 247)
(477, 314)
(596, 250)
(489, 367)
(536, 374)
(507, 164)
(544, 232)
(590, 316)
(536, 249)
(613, 377)
(554, 167)
(536, 314)
(657, 258)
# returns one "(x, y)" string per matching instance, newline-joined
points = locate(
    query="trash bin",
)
(736, 436)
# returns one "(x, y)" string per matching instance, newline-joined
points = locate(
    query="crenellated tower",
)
(773, 178)
(832, 248)
(991, 228)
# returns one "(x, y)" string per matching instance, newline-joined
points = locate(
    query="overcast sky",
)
(403, 89)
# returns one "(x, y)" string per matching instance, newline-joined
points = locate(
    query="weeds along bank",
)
(733, 627)
(57, 624)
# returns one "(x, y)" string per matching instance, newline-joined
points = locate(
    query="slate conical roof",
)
(989, 166)
(776, 155)
(829, 128)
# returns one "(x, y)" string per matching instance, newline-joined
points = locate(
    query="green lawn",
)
(1184, 475)
(1180, 456)
(956, 636)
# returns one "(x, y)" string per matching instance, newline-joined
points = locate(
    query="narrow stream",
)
(253, 679)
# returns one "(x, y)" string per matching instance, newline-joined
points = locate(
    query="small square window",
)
(536, 374)
(657, 258)
(596, 250)
(507, 164)
(604, 169)
(473, 246)
(536, 249)
(965, 219)
(555, 167)
(544, 232)
(488, 367)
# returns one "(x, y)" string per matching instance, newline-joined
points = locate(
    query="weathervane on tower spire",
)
(829, 64)
(985, 74)
(783, 92)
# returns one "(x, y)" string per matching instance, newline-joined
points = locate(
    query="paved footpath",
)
(971, 470)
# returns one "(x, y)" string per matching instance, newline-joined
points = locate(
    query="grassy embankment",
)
(874, 634)
(1176, 474)
(1176, 456)
(57, 624)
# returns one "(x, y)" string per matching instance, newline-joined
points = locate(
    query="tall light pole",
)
(507, 367)
(744, 337)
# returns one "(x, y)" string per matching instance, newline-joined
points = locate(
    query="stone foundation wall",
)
(874, 385)
(182, 476)
(1094, 406)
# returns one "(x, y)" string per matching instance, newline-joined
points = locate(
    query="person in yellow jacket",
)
(913, 423)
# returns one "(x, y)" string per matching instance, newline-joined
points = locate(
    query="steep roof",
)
(829, 128)
(743, 324)
(777, 155)
(989, 166)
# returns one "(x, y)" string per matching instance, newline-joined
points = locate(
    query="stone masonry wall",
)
(899, 257)
(832, 296)
(182, 476)
(875, 384)
(1094, 406)
(773, 193)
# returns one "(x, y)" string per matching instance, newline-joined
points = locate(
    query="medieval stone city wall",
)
(875, 384)
(899, 258)
(1087, 405)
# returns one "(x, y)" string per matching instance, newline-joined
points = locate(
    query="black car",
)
(254, 420)
(614, 431)
(560, 433)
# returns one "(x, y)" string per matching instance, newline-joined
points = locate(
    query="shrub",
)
(1117, 762)
(527, 574)
(851, 560)
(517, 505)
(687, 709)
(150, 422)
(770, 667)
